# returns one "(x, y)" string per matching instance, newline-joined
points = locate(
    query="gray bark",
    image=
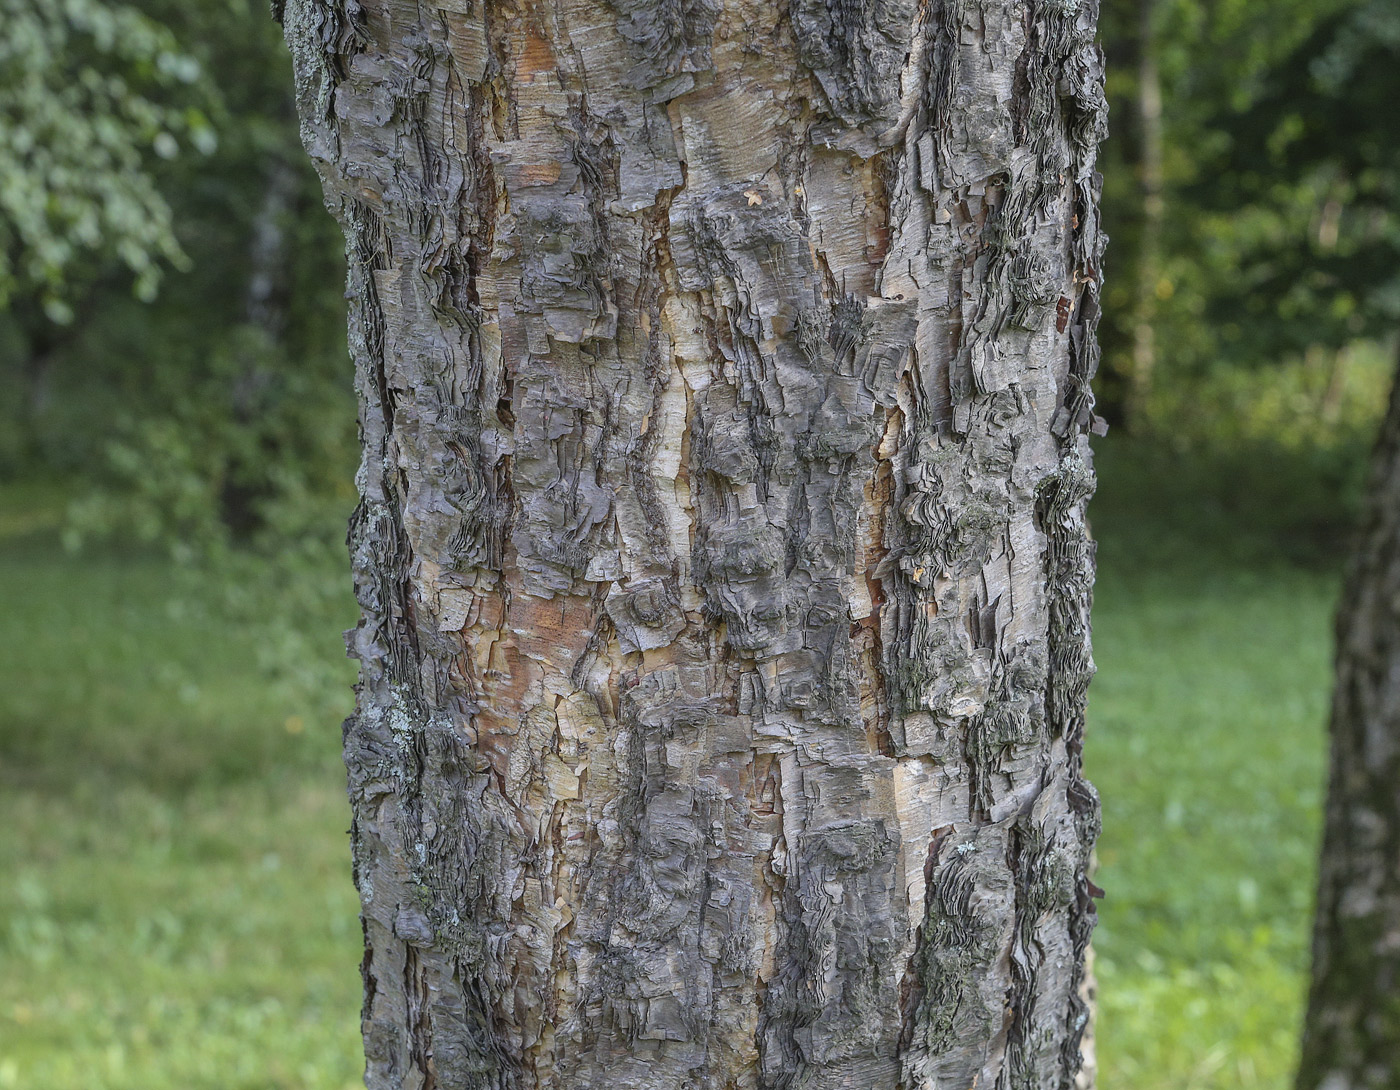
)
(724, 373)
(1351, 1036)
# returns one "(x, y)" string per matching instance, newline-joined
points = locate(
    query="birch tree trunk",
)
(1351, 1037)
(1150, 185)
(724, 374)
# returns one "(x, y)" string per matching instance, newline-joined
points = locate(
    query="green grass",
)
(1212, 634)
(176, 909)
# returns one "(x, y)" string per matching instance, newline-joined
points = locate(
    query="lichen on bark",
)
(724, 374)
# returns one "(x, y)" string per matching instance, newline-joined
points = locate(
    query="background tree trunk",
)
(724, 374)
(1150, 183)
(1351, 1037)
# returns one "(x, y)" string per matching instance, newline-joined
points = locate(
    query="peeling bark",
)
(1351, 1037)
(724, 374)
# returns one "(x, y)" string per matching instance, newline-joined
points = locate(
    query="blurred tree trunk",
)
(265, 304)
(1351, 1037)
(265, 310)
(724, 386)
(1148, 272)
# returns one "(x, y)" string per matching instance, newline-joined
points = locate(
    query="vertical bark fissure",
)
(724, 375)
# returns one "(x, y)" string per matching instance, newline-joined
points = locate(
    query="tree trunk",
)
(724, 374)
(1150, 181)
(1351, 1037)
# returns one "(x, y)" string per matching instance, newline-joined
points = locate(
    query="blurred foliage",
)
(220, 413)
(1275, 123)
(1306, 420)
(249, 446)
(90, 93)
(1319, 149)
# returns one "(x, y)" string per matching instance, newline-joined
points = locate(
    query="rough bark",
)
(724, 373)
(1351, 1037)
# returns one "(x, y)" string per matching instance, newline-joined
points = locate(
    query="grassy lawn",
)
(177, 912)
(1212, 633)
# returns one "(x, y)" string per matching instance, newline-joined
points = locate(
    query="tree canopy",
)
(1277, 240)
(1315, 161)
